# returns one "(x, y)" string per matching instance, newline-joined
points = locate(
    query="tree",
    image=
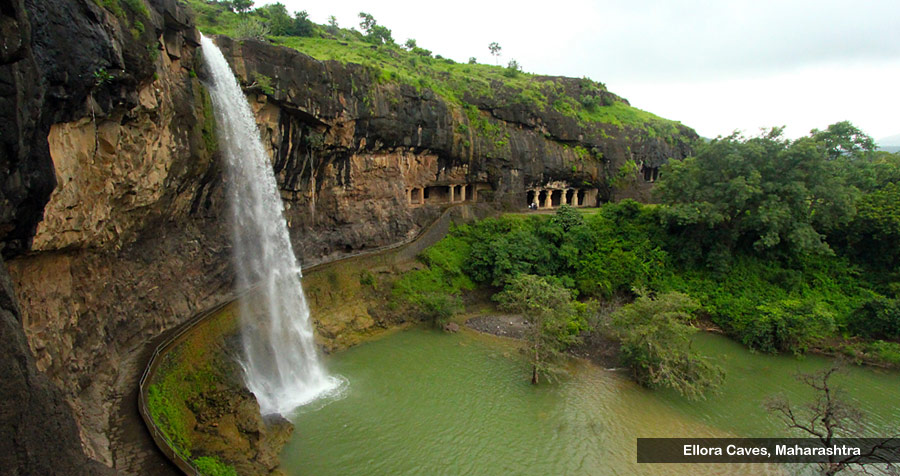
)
(875, 231)
(765, 194)
(552, 316)
(656, 345)
(495, 48)
(826, 417)
(277, 18)
(843, 139)
(333, 27)
(302, 25)
(410, 44)
(473, 60)
(241, 6)
(375, 33)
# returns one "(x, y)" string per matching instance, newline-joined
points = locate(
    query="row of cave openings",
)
(453, 193)
(553, 198)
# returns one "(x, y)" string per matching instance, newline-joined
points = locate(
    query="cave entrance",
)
(543, 201)
(555, 198)
(469, 193)
(416, 196)
(437, 194)
(570, 198)
(529, 198)
(580, 197)
(458, 193)
(650, 173)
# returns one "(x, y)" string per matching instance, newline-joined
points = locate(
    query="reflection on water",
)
(423, 402)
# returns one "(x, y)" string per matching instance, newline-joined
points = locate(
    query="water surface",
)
(424, 402)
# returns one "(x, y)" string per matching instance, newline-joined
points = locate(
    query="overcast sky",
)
(716, 66)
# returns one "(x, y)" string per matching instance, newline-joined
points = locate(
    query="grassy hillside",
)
(464, 84)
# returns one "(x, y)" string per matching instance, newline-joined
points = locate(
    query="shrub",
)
(789, 325)
(878, 318)
(438, 307)
(251, 28)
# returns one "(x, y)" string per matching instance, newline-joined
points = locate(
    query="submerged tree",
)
(827, 417)
(656, 345)
(552, 315)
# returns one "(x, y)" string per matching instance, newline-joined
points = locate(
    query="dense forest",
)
(784, 245)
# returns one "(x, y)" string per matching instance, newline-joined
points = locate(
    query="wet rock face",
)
(131, 198)
(229, 427)
(38, 433)
(113, 219)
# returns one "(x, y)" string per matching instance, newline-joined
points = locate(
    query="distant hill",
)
(890, 148)
(890, 141)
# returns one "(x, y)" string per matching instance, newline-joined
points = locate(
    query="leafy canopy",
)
(765, 194)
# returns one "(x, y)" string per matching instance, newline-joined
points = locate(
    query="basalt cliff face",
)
(114, 225)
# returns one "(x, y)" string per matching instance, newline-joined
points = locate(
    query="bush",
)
(437, 307)
(787, 326)
(879, 318)
(251, 28)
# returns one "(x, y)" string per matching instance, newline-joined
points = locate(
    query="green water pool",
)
(421, 402)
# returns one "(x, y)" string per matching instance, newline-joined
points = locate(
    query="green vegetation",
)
(212, 466)
(656, 345)
(555, 319)
(190, 369)
(435, 291)
(772, 239)
(460, 84)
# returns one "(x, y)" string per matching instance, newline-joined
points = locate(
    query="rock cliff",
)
(114, 225)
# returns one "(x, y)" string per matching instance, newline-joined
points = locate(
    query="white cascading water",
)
(281, 363)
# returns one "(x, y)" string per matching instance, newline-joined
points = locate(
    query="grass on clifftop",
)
(584, 100)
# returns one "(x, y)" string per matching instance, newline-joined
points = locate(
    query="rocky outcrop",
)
(348, 148)
(38, 433)
(130, 243)
(113, 221)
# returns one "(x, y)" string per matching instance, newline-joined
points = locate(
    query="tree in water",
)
(656, 345)
(827, 417)
(553, 317)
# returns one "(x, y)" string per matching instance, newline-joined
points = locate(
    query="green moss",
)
(212, 466)
(191, 368)
(208, 126)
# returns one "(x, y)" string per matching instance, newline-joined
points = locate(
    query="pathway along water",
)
(281, 364)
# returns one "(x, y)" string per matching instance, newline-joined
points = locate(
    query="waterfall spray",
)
(280, 363)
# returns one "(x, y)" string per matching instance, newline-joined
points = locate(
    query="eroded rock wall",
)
(108, 138)
(347, 147)
(132, 240)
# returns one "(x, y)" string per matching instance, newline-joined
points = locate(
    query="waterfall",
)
(280, 360)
